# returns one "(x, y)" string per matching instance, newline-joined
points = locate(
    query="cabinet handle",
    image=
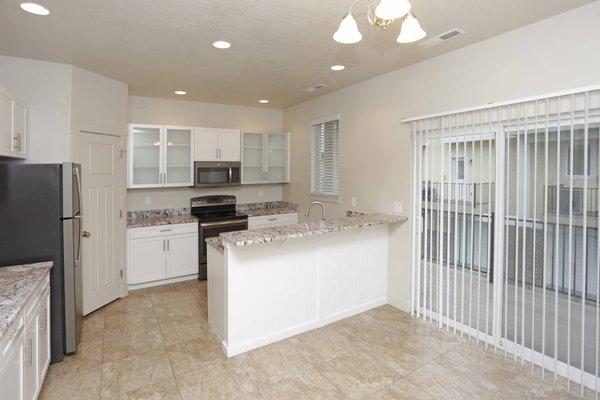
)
(29, 347)
(166, 230)
(41, 320)
(272, 219)
(217, 153)
(168, 245)
(163, 245)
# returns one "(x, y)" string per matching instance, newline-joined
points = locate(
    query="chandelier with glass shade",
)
(382, 14)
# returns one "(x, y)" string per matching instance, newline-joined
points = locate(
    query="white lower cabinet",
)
(161, 252)
(25, 352)
(268, 221)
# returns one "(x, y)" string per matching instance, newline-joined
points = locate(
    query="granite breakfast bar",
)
(269, 284)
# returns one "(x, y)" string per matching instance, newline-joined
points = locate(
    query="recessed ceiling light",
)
(180, 92)
(35, 9)
(221, 44)
(338, 67)
(263, 101)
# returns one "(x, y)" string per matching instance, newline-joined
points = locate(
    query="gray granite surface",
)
(18, 284)
(165, 212)
(157, 221)
(312, 228)
(216, 242)
(267, 208)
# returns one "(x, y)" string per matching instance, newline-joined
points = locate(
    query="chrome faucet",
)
(323, 215)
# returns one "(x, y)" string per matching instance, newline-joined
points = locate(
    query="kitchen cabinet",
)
(161, 253)
(269, 221)
(265, 157)
(13, 126)
(216, 144)
(25, 351)
(160, 156)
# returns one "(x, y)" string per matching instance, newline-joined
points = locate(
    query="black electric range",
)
(216, 214)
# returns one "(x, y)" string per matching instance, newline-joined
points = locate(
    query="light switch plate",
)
(398, 207)
(147, 200)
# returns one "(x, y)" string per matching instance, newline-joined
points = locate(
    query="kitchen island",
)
(269, 284)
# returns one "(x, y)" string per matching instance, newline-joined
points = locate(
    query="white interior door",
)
(102, 169)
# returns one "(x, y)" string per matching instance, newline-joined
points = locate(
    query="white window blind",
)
(325, 157)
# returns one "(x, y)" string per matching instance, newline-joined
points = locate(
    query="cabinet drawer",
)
(266, 221)
(162, 230)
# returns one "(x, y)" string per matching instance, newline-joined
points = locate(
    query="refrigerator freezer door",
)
(72, 282)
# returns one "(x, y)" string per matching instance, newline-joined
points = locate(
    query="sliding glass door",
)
(506, 230)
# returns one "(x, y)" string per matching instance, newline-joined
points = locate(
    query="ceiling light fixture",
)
(180, 92)
(34, 8)
(337, 67)
(221, 44)
(381, 14)
(263, 101)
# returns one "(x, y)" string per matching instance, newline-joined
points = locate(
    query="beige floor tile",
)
(121, 323)
(88, 354)
(139, 305)
(179, 328)
(62, 384)
(320, 345)
(129, 375)
(447, 384)
(309, 385)
(357, 374)
(402, 355)
(118, 344)
(92, 327)
(270, 364)
(194, 354)
(223, 380)
(172, 307)
(530, 385)
(402, 389)
(165, 389)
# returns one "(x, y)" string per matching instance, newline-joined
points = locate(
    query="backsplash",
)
(266, 205)
(167, 212)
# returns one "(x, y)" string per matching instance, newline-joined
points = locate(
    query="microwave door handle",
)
(230, 175)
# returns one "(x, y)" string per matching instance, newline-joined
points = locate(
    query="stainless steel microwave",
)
(216, 174)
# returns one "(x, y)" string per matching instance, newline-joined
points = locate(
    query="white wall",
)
(554, 54)
(146, 110)
(45, 88)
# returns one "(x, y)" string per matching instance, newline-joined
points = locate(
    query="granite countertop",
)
(167, 216)
(312, 228)
(17, 285)
(267, 208)
(216, 242)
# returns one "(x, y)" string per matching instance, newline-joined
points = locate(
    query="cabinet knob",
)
(85, 234)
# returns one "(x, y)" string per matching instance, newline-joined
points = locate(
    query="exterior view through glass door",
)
(506, 231)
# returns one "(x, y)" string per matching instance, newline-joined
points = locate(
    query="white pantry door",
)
(102, 170)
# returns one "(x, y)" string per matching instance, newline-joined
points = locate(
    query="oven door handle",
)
(222, 223)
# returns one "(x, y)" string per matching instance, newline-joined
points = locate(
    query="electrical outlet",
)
(353, 201)
(147, 200)
(398, 207)
(261, 194)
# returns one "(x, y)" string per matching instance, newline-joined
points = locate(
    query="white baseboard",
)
(287, 333)
(162, 282)
(400, 303)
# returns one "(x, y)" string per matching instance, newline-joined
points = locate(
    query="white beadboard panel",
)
(277, 290)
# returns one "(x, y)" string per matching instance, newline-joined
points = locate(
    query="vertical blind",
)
(505, 245)
(325, 157)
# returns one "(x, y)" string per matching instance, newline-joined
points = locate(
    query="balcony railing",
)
(576, 206)
(459, 192)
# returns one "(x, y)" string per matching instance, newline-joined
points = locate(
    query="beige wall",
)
(45, 88)
(555, 54)
(146, 110)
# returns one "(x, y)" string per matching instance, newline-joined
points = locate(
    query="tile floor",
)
(156, 344)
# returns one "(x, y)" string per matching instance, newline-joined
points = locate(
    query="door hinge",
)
(121, 274)
(122, 151)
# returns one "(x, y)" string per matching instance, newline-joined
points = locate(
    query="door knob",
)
(85, 234)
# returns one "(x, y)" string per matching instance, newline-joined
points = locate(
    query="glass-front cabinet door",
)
(178, 158)
(253, 168)
(145, 156)
(277, 155)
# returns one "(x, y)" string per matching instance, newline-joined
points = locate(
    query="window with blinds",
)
(325, 157)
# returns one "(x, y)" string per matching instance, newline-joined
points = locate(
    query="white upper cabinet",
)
(13, 126)
(160, 156)
(213, 144)
(265, 157)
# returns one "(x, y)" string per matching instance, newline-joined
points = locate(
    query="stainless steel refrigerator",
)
(40, 220)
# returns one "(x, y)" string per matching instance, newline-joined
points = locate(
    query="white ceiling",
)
(280, 47)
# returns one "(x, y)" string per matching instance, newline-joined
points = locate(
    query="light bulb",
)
(392, 9)
(411, 30)
(348, 32)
